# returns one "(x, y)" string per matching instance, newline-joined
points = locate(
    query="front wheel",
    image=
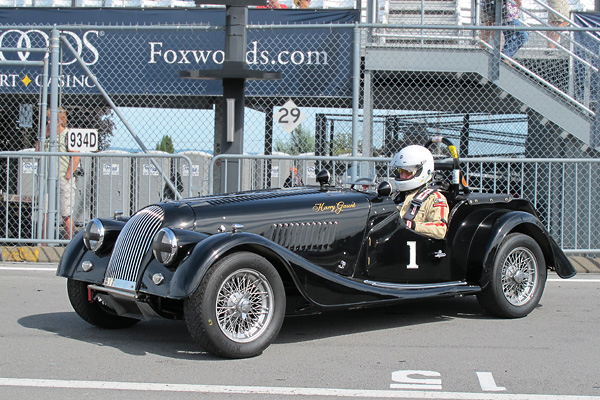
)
(517, 278)
(238, 309)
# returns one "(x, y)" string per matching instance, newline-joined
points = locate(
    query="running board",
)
(410, 286)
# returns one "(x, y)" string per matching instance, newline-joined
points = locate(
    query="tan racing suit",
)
(431, 218)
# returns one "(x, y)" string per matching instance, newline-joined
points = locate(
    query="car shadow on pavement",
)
(160, 336)
(339, 323)
(171, 339)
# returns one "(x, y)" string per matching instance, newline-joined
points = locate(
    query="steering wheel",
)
(439, 145)
(364, 182)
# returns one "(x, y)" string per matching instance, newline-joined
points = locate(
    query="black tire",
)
(93, 311)
(238, 309)
(517, 279)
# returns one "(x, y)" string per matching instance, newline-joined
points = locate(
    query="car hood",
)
(259, 211)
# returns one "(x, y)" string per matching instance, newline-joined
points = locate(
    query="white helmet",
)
(412, 167)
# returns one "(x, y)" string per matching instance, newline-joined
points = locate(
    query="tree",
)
(301, 141)
(342, 143)
(166, 145)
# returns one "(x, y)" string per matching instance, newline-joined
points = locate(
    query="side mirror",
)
(384, 189)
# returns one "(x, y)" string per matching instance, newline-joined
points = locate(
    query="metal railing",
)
(103, 183)
(563, 191)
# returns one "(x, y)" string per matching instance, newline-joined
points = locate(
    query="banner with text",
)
(129, 61)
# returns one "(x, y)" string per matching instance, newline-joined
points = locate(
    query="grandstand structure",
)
(549, 81)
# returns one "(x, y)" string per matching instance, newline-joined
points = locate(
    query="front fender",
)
(528, 224)
(74, 255)
(189, 273)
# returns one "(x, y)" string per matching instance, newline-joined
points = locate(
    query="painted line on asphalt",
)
(27, 269)
(574, 280)
(279, 391)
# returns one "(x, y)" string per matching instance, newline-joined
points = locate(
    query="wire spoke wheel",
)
(519, 276)
(238, 308)
(515, 282)
(244, 305)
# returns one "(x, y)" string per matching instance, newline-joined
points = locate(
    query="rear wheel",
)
(238, 308)
(517, 278)
(95, 312)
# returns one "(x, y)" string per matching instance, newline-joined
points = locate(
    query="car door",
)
(397, 254)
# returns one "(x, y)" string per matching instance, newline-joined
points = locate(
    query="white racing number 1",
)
(412, 261)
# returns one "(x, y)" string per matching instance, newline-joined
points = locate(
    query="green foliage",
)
(342, 143)
(301, 141)
(166, 145)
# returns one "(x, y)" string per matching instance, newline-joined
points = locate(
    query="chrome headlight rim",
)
(165, 239)
(94, 235)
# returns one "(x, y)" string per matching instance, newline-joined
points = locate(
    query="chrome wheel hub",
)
(519, 276)
(244, 305)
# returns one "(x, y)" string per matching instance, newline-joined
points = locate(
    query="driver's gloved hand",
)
(401, 222)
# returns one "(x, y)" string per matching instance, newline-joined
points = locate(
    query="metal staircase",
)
(540, 81)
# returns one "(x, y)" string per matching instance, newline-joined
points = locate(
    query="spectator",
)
(294, 179)
(67, 167)
(177, 183)
(557, 19)
(513, 40)
(302, 3)
(273, 4)
(488, 11)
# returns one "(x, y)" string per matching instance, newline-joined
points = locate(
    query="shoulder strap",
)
(417, 202)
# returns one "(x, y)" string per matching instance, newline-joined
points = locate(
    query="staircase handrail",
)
(524, 70)
(579, 45)
(549, 85)
(568, 19)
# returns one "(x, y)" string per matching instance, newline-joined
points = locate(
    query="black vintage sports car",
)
(233, 265)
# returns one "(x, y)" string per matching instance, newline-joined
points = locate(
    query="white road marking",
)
(27, 269)
(573, 280)
(279, 391)
(487, 382)
(411, 379)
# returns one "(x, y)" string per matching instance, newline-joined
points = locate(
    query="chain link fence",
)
(413, 82)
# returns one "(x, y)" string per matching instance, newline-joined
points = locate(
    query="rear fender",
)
(516, 221)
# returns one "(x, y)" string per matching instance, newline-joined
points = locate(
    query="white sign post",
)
(289, 116)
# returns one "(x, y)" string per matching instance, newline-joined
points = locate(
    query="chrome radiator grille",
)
(131, 246)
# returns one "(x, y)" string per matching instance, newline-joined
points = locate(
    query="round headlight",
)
(164, 246)
(93, 236)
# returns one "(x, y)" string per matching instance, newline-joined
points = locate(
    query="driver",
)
(422, 206)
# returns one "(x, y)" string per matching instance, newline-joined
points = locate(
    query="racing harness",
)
(416, 203)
